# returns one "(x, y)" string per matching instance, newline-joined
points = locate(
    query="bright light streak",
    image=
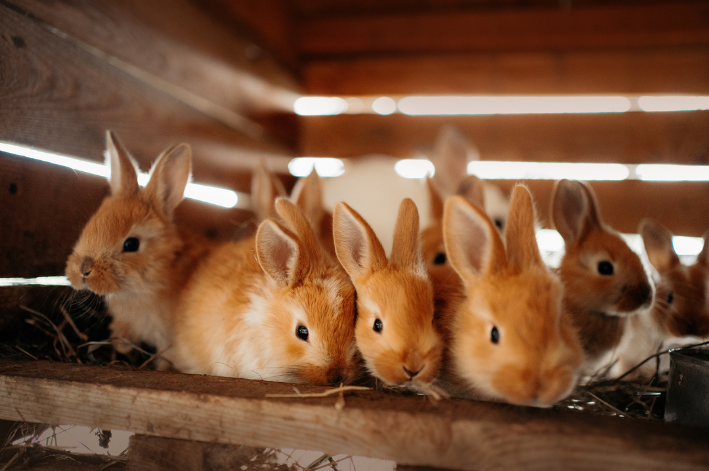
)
(672, 173)
(687, 245)
(41, 281)
(414, 168)
(319, 106)
(487, 105)
(549, 240)
(207, 194)
(496, 170)
(384, 105)
(325, 166)
(673, 103)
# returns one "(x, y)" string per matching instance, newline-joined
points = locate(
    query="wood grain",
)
(44, 207)
(56, 96)
(633, 137)
(679, 23)
(609, 71)
(455, 434)
(187, 47)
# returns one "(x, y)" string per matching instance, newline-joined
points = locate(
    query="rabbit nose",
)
(86, 266)
(646, 291)
(410, 373)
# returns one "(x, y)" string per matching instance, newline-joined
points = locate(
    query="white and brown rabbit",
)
(131, 252)
(275, 307)
(509, 339)
(604, 280)
(395, 331)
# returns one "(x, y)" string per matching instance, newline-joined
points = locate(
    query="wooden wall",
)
(537, 47)
(157, 73)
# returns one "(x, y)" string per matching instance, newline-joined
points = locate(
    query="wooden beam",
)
(633, 137)
(179, 42)
(409, 429)
(670, 24)
(665, 70)
(57, 96)
(44, 207)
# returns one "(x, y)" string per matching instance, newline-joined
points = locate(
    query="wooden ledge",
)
(410, 429)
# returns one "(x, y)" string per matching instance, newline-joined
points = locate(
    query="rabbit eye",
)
(440, 259)
(499, 223)
(494, 335)
(605, 268)
(131, 244)
(378, 326)
(670, 297)
(302, 332)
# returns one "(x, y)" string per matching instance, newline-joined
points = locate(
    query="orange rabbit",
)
(130, 251)
(604, 280)
(681, 308)
(395, 331)
(273, 307)
(510, 340)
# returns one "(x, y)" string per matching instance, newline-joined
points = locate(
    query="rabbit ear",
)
(265, 188)
(703, 257)
(522, 247)
(574, 210)
(406, 251)
(450, 157)
(307, 194)
(472, 243)
(435, 200)
(169, 177)
(124, 177)
(279, 254)
(297, 223)
(473, 190)
(356, 246)
(658, 245)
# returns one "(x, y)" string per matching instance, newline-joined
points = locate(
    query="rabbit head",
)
(395, 331)
(510, 340)
(129, 243)
(681, 307)
(311, 312)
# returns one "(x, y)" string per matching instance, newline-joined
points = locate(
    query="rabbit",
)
(681, 307)
(272, 307)
(680, 312)
(510, 340)
(307, 195)
(378, 204)
(132, 253)
(394, 331)
(604, 280)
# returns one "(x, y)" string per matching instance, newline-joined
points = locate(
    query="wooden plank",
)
(268, 20)
(679, 23)
(55, 95)
(187, 47)
(410, 429)
(634, 137)
(44, 207)
(618, 71)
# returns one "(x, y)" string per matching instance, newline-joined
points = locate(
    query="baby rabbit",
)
(604, 280)
(680, 307)
(273, 307)
(130, 251)
(510, 340)
(394, 330)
